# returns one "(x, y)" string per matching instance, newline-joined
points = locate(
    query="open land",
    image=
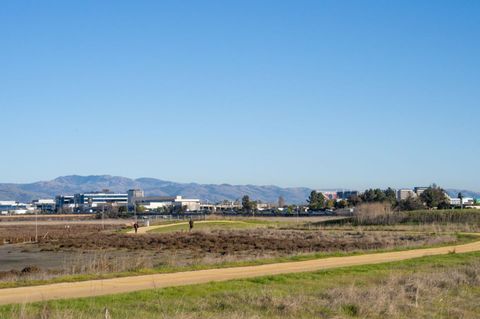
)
(440, 286)
(167, 254)
(100, 249)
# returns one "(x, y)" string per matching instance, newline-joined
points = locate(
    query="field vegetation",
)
(382, 214)
(445, 286)
(95, 251)
(208, 225)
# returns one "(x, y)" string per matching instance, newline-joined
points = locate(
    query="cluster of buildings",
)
(13, 207)
(403, 194)
(91, 202)
(94, 201)
(338, 195)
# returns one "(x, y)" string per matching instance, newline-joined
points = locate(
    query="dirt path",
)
(136, 283)
(144, 230)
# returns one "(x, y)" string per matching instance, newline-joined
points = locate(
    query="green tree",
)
(316, 201)
(247, 204)
(390, 196)
(410, 203)
(379, 196)
(373, 195)
(460, 197)
(341, 204)
(330, 203)
(140, 209)
(435, 197)
(354, 200)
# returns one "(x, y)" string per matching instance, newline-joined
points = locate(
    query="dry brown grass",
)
(26, 233)
(445, 293)
(228, 242)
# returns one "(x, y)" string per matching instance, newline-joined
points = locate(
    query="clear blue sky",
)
(295, 93)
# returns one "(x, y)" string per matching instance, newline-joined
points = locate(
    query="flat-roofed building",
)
(188, 203)
(346, 194)
(96, 198)
(64, 203)
(403, 194)
(154, 202)
(44, 205)
(134, 194)
(419, 190)
(13, 207)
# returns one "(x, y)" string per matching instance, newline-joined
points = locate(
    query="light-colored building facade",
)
(137, 197)
(100, 198)
(403, 194)
(44, 205)
(13, 207)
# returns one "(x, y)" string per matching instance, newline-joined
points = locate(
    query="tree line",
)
(432, 197)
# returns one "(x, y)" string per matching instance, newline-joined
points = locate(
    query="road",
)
(136, 283)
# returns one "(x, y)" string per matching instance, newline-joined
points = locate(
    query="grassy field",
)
(35, 280)
(445, 286)
(218, 224)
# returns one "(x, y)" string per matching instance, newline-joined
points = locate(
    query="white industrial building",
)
(403, 194)
(136, 197)
(13, 207)
(44, 205)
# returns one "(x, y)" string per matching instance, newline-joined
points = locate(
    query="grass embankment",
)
(446, 286)
(461, 239)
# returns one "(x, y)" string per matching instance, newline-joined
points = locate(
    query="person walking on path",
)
(190, 224)
(135, 225)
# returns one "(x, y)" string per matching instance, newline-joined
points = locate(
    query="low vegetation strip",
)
(176, 226)
(130, 284)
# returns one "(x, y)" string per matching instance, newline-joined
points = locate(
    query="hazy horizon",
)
(237, 184)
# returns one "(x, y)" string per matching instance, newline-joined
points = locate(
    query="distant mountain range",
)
(68, 185)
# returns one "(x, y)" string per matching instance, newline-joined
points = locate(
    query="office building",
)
(403, 194)
(100, 198)
(44, 205)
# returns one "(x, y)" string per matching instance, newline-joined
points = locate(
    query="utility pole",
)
(36, 226)
(135, 211)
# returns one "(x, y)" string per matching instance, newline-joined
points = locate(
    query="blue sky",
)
(295, 93)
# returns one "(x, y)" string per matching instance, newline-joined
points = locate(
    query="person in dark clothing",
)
(136, 227)
(190, 224)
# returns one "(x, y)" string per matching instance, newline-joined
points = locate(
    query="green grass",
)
(175, 226)
(216, 224)
(303, 295)
(461, 239)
